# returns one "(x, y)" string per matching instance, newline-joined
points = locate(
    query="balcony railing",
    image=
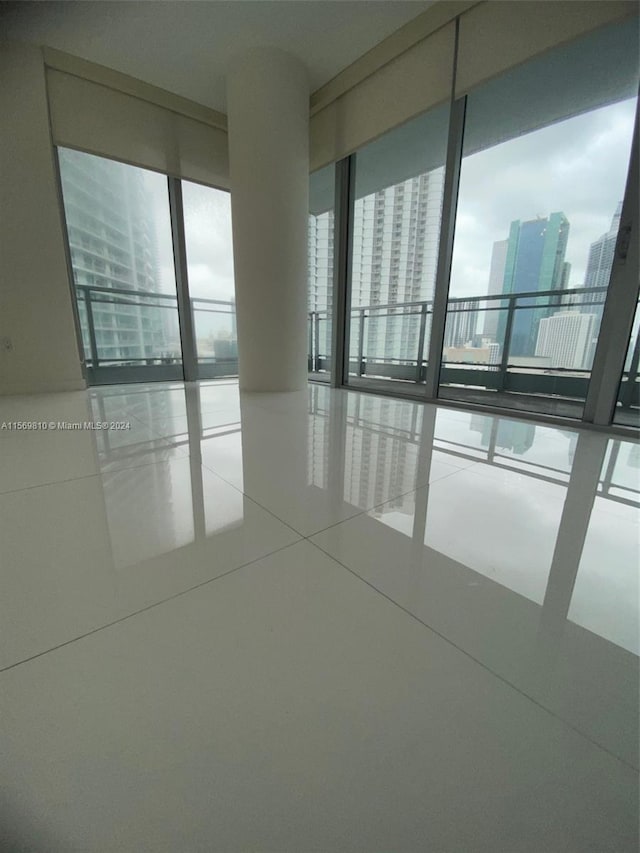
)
(491, 343)
(214, 323)
(389, 341)
(153, 337)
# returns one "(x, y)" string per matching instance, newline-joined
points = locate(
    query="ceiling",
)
(185, 46)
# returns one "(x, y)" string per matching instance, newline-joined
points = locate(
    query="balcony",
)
(153, 349)
(528, 351)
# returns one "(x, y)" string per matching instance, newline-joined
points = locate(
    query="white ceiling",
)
(185, 46)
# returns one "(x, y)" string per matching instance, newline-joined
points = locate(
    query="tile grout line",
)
(101, 473)
(475, 660)
(253, 500)
(145, 609)
(301, 538)
(359, 513)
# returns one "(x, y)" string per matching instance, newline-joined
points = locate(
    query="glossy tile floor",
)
(324, 621)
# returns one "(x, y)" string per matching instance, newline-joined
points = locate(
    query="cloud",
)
(577, 166)
(207, 219)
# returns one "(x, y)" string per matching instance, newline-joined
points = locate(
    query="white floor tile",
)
(48, 453)
(234, 688)
(80, 554)
(200, 724)
(489, 558)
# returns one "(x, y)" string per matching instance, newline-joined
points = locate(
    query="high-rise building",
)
(112, 241)
(598, 271)
(395, 253)
(601, 254)
(534, 264)
(568, 339)
(496, 280)
(320, 281)
(462, 322)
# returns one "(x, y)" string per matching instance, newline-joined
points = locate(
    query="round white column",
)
(268, 113)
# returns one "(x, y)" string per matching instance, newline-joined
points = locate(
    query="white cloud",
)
(577, 166)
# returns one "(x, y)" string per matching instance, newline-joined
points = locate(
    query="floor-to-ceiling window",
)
(120, 243)
(545, 160)
(320, 282)
(209, 250)
(399, 182)
(506, 209)
(125, 249)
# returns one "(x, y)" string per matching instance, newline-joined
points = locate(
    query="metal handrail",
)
(506, 303)
(125, 291)
(212, 301)
(92, 294)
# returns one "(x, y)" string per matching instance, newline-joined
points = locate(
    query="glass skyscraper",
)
(534, 263)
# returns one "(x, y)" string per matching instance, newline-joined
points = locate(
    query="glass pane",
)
(209, 243)
(396, 230)
(628, 407)
(321, 219)
(545, 159)
(122, 257)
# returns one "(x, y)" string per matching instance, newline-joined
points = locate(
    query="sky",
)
(207, 223)
(578, 166)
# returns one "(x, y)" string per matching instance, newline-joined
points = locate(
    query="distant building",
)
(599, 263)
(496, 280)
(534, 263)
(395, 253)
(487, 354)
(601, 254)
(394, 257)
(568, 339)
(113, 244)
(320, 281)
(462, 320)
(598, 272)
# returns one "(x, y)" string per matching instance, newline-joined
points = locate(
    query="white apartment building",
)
(568, 339)
(395, 252)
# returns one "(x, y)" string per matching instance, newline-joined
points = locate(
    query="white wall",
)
(35, 298)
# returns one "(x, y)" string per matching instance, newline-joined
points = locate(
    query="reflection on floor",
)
(324, 621)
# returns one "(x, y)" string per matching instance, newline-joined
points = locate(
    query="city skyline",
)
(394, 258)
(578, 165)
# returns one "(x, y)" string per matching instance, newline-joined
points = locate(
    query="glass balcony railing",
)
(214, 323)
(127, 327)
(319, 347)
(535, 343)
(538, 343)
(131, 328)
